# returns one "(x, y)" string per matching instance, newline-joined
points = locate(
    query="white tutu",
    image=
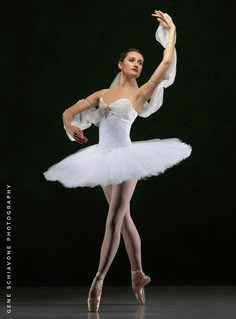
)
(115, 158)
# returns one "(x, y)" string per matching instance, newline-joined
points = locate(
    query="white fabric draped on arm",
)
(162, 35)
(85, 119)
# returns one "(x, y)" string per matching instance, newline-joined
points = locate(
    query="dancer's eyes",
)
(132, 60)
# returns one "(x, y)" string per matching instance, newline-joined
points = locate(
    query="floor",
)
(162, 302)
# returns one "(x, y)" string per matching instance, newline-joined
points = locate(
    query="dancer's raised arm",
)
(146, 90)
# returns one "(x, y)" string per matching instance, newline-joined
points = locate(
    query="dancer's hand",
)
(166, 22)
(77, 134)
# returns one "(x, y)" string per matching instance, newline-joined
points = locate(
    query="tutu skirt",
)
(93, 166)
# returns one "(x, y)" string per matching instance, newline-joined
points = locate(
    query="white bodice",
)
(121, 108)
(115, 123)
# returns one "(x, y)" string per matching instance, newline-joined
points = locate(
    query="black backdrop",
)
(57, 52)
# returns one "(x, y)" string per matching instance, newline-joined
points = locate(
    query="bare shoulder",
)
(93, 98)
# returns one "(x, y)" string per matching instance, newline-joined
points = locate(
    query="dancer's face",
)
(132, 64)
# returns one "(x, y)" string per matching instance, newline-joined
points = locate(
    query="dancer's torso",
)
(115, 125)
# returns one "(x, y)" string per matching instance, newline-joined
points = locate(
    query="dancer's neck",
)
(127, 82)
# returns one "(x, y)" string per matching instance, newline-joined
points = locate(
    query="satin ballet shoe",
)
(93, 304)
(139, 281)
(95, 293)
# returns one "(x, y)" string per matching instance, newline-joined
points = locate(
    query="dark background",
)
(57, 52)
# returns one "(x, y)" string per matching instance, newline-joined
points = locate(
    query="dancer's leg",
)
(120, 198)
(132, 241)
(130, 235)
(118, 208)
(133, 247)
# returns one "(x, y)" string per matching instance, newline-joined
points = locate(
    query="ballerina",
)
(116, 163)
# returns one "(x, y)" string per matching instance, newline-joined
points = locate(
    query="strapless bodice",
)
(115, 123)
(121, 108)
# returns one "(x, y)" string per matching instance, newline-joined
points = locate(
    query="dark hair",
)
(124, 53)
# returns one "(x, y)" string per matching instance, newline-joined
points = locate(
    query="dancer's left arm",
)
(146, 90)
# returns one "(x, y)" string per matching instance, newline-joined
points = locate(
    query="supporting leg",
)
(120, 197)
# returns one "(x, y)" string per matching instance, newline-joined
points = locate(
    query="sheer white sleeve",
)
(162, 35)
(84, 120)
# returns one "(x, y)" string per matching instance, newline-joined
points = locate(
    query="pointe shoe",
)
(139, 281)
(93, 304)
(95, 293)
